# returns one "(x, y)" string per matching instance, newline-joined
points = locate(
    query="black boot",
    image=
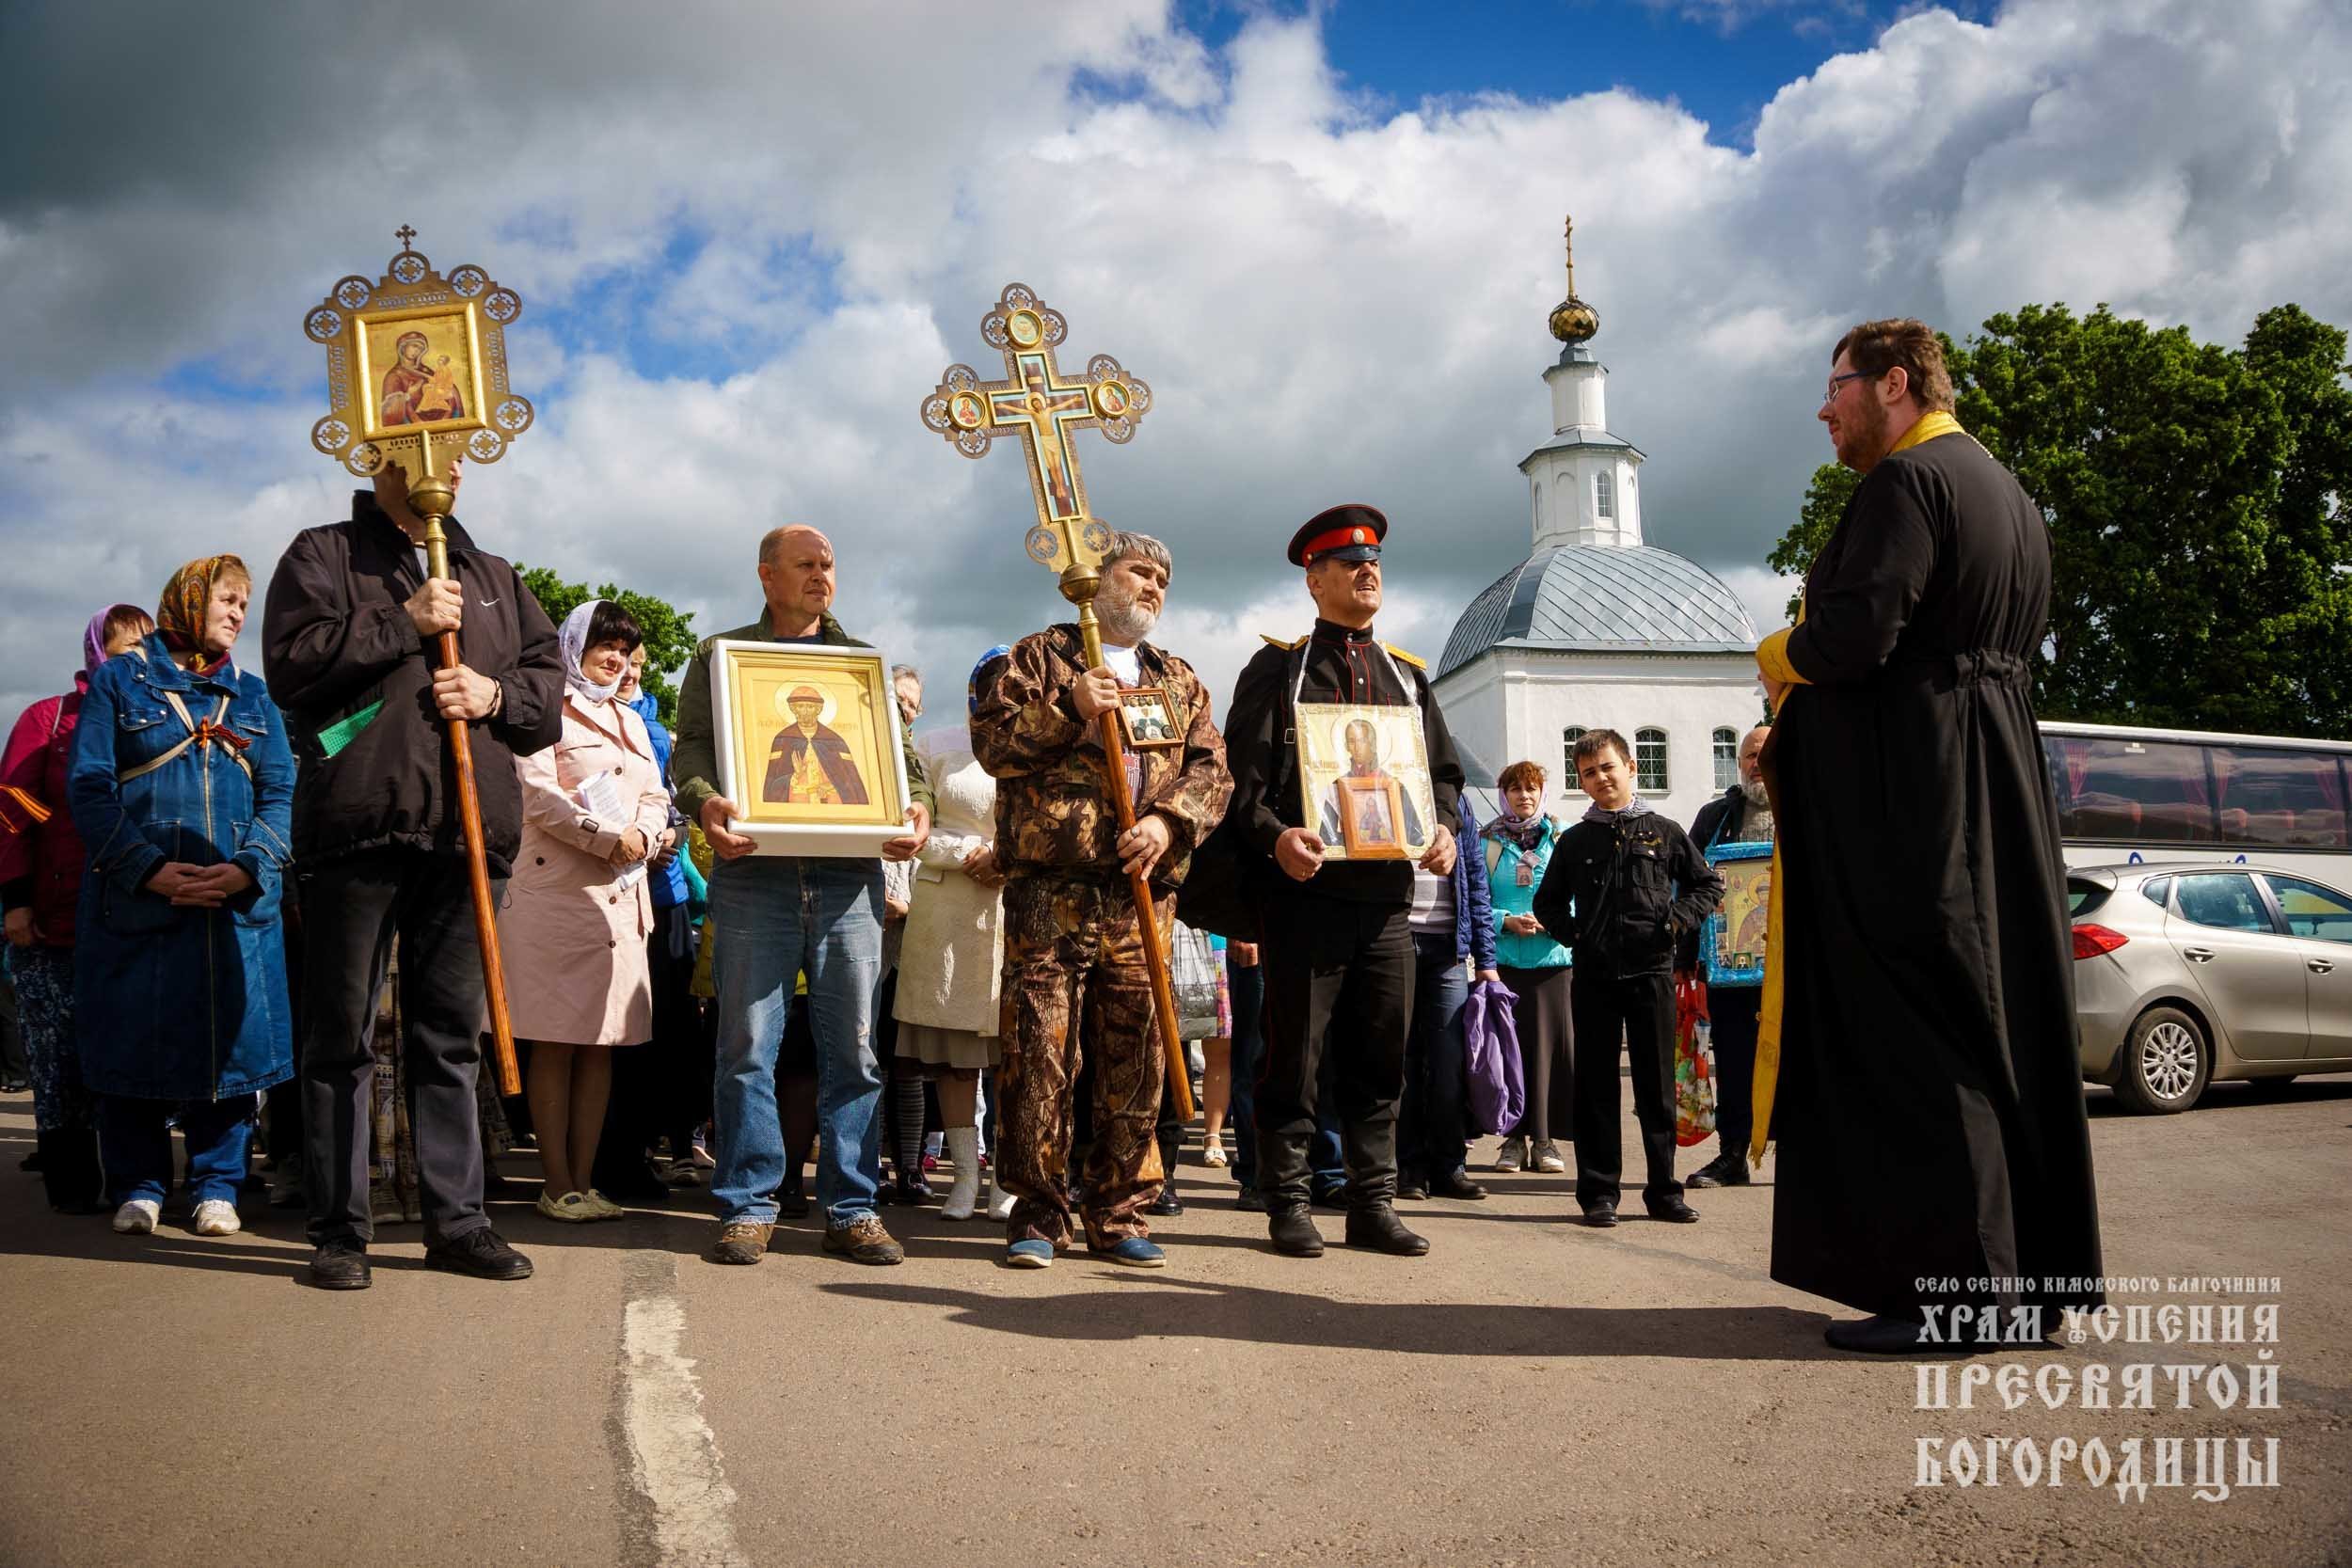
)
(1379, 1227)
(70, 1171)
(1291, 1228)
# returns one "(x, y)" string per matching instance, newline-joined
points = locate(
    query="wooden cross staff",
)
(1033, 402)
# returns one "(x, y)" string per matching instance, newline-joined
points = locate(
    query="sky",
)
(748, 238)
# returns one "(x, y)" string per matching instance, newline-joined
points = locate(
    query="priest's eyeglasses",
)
(1835, 381)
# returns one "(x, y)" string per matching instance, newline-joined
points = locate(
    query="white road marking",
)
(674, 1454)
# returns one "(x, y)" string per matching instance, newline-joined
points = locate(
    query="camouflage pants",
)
(1075, 970)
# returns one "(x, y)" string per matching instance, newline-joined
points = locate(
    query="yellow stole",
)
(1772, 657)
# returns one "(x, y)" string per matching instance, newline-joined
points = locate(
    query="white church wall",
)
(1517, 703)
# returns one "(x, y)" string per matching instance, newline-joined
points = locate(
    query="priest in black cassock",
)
(1929, 1106)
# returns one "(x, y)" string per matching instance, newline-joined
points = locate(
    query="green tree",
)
(2201, 559)
(669, 632)
(1824, 506)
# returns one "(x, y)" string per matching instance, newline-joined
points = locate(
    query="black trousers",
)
(1339, 979)
(352, 909)
(1638, 1009)
(1735, 1013)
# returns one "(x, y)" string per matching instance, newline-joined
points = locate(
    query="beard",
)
(1865, 438)
(1125, 623)
(1755, 793)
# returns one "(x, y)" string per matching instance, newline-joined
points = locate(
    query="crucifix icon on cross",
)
(1033, 402)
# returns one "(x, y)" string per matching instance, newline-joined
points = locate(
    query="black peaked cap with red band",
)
(1349, 533)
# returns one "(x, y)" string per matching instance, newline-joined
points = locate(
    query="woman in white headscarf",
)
(955, 945)
(573, 931)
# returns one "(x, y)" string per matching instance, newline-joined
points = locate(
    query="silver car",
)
(2192, 971)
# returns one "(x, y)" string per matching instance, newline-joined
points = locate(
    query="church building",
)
(1597, 629)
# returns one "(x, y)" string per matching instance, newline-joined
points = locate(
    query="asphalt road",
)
(1533, 1392)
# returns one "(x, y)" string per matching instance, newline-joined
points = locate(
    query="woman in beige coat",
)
(573, 931)
(954, 946)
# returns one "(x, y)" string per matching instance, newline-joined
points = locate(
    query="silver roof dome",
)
(1603, 599)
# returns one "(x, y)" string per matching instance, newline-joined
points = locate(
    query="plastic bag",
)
(1694, 1063)
(1192, 974)
(1497, 1078)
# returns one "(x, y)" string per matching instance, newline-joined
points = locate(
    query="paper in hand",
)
(601, 793)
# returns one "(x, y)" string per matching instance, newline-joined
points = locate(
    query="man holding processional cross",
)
(1091, 835)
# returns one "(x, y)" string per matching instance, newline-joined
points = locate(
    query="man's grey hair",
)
(905, 673)
(772, 542)
(1124, 544)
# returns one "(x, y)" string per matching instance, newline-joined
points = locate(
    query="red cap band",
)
(1338, 537)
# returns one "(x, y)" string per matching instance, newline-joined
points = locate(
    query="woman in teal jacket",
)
(183, 788)
(1517, 846)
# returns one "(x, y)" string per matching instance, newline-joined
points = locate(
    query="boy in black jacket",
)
(1624, 883)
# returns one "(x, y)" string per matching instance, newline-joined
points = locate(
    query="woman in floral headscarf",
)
(182, 787)
(41, 881)
(578, 910)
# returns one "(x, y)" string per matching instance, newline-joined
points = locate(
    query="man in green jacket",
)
(782, 916)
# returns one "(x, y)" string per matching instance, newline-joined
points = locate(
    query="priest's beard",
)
(1124, 624)
(1755, 793)
(1866, 437)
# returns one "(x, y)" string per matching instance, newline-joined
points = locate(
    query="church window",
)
(1604, 496)
(1568, 737)
(1727, 759)
(1650, 761)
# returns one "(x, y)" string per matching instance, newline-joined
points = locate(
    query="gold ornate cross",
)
(405, 235)
(1036, 404)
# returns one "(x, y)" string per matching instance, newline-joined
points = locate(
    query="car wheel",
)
(2166, 1063)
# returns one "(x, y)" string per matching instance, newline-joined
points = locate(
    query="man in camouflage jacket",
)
(1074, 962)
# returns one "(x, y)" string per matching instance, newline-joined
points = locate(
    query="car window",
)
(2156, 889)
(2082, 895)
(2224, 899)
(2313, 910)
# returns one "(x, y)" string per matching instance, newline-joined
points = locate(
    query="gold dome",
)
(1572, 320)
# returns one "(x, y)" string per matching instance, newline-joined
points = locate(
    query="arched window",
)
(1727, 758)
(1650, 761)
(1568, 737)
(1604, 495)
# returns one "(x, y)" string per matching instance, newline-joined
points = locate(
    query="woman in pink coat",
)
(573, 931)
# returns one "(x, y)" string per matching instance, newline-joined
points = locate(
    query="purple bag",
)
(1498, 1082)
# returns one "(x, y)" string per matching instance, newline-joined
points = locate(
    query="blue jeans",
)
(778, 918)
(135, 1146)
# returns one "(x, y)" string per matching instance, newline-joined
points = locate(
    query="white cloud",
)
(1332, 302)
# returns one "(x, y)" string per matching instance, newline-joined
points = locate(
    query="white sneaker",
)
(137, 1217)
(217, 1217)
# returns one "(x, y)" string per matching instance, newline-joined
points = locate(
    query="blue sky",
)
(1720, 61)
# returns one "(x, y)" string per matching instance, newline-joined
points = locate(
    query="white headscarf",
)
(574, 638)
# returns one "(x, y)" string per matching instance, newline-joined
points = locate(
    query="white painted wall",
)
(1514, 702)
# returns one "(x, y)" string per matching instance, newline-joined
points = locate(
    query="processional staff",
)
(416, 372)
(1036, 404)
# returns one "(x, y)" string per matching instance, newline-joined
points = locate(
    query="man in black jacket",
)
(1740, 815)
(1338, 946)
(1623, 885)
(349, 633)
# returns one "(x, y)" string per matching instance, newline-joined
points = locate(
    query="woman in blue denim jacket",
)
(183, 788)
(1517, 846)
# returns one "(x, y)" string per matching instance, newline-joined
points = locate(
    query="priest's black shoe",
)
(1725, 1170)
(1457, 1184)
(482, 1253)
(1672, 1210)
(1411, 1188)
(1291, 1228)
(1380, 1228)
(1883, 1335)
(341, 1266)
(1602, 1215)
(1167, 1205)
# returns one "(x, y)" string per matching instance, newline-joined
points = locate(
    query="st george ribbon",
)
(416, 376)
(1034, 402)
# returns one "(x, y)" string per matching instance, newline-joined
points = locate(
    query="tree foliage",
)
(2201, 554)
(1826, 500)
(669, 632)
